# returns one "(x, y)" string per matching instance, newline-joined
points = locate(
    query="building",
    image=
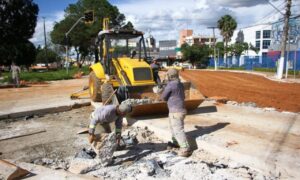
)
(183, 34)
(259, 36)
(200, 40)
(167, 48)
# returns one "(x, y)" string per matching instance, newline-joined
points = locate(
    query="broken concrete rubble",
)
(135, 102)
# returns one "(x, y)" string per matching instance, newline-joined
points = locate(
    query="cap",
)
(172, 74)
(125, 108)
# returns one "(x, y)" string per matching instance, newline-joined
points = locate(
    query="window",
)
(257, 44)
(141, 74)
(264, 54)
(257, 34)
(267, 34)
(266, 44)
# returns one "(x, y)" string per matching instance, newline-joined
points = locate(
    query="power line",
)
(274, 7)
(273, 12)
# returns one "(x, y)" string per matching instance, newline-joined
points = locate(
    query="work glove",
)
(91, 138)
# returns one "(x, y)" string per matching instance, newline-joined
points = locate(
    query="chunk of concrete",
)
(82, 166)
(105, 146)
(10, 171)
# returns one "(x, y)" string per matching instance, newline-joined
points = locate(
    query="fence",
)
(251, 62)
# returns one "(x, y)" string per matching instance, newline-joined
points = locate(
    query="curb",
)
(43, 111)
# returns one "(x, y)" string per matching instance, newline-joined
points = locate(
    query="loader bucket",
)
(193, 98)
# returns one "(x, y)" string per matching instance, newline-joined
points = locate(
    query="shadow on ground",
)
(200, 131)
(203, 110)
(139, 151)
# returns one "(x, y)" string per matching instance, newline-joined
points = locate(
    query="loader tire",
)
(94, 87)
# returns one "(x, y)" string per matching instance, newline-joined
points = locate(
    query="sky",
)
(163, 19)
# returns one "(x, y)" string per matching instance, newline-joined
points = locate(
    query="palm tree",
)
(227, 24)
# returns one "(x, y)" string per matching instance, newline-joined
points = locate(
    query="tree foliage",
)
(227, 24)
(46, 57)
(18, 20)
(82, 38)
(195, 53)
(238, 48)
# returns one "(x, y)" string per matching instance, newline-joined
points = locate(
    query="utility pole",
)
(46, 54)
(284, 39)
(214, 45)
(67, 46)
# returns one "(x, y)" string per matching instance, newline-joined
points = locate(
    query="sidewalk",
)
(264, 140)
(269, 75)
(40, 99)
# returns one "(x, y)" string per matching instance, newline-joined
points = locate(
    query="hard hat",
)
(172, 74)
(125, 108)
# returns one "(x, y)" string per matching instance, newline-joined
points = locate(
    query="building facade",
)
(167, 48)
(200, 40)
(259, 36)
(183, 34)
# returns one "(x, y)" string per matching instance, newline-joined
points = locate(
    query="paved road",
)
(15, 101)
(243, 87)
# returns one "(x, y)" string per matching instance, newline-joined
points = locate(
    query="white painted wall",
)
(250, 37)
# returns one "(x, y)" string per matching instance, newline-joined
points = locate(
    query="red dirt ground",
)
(243, 87)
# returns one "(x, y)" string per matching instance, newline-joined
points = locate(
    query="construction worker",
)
(174, 95)
(15, 74)
(104, 115)
(155, 66)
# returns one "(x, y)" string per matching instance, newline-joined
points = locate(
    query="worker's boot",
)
(184, 152)
(173, 145)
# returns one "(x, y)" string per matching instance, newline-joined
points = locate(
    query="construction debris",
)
(135, 102)
(10, 171)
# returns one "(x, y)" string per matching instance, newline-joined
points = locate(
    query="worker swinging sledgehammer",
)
(104, 115)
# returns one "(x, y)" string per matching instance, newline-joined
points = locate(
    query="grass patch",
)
(60, 74)
(290, 72)
(229, 68)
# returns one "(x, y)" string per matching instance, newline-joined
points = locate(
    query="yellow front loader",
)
(122, 64)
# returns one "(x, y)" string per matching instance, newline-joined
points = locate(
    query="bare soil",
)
(243, 87)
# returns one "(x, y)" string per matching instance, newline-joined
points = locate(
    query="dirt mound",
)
(242, 87)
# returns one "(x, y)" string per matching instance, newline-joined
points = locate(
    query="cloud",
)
(38, 36)
(238, 3)
(164, 19)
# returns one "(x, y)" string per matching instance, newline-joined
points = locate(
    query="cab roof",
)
(120, 33)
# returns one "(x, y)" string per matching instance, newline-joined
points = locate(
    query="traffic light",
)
(89, 16)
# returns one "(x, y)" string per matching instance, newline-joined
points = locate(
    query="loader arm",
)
(121, 73)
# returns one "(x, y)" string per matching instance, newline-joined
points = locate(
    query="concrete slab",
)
(263, 140)
(40, 172)
(41, 99)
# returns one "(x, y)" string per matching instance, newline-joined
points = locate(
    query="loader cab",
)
(122, 54)
(117, 44)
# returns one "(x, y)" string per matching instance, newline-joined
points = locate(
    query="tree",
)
(227, 25)
(51, 56)
(240, 37)
(18, 21)
(238, 48)
(195, 53)
(128, 26)
(220, 49)
(82, 37)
